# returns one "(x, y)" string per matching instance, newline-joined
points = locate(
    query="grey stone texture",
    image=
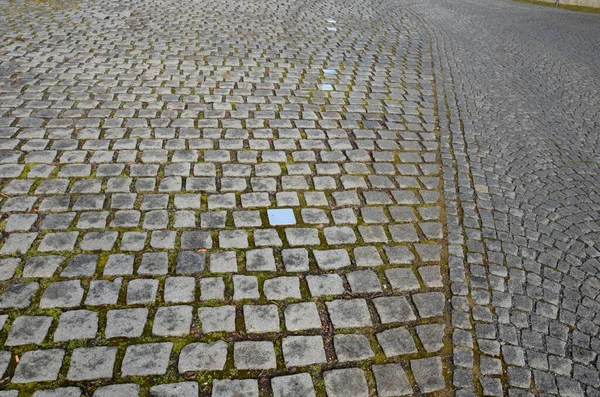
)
(146, 359)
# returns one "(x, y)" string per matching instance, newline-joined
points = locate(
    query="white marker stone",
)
(281, 217)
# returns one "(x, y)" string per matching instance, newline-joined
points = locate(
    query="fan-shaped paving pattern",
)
(521, 87)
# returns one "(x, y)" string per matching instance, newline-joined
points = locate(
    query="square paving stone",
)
(325, 284)
(76, 324)
(300, 351)
(57, 221)
(261, 318)
(364, 281)
(172, 321)
(432, 276)
(179, 289)
(163, 239)
(18, 295)
(280, 288)
(332, 259)
(146, 359)
(92, 363)
(346, 382)
(119, 265)
(122, 390)
(399, 255)
(93, 220)
(39, 366)
(429, 252)
(154, 263)
(245, 287)
(62, 294)
(217, 319)
(302, 236)
(394, 309)
(344, 216)
(189, 262)
(42, 266)
(299, 385)
(260, 260)
(233, 239)
(428, 373)
(295, 260)
(27, 330)
(103, 292)
(196, 240)
(391, 380)
(267, 238)
(352, 347)
(235, 388)
(429, 304)
(350, 313)
(141, 291)
(373, 234)
(247, 219)
(18, 243)
(223, 262)
(213, 220)
(98, 241)
(81, 265)
(64, 241)
(203, 357)
(396, 341)
(133, 241)
(128, 323)
(302, 316)
(431, 336)
(182, 389)
(20, 222)
(336, 235)
(402, 279)
(314, 216)
(367, 256)
(254, 355)
(212, 288)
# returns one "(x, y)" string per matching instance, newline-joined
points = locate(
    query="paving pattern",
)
(295, 199)
(220, 199)
(520, 152)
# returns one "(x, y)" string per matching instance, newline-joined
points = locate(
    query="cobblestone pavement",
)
(340, 198)
(220, 199)
(521, 88)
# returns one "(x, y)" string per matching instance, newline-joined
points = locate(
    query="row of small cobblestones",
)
(521, 198)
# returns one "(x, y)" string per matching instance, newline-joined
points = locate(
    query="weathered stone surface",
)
(428, 374)
(203, 357)
(28, 330)
(39, 366)
(299, 385)
(146, 359)
(254, 355)
(92, 363)
(299, 351)
(346, 382)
